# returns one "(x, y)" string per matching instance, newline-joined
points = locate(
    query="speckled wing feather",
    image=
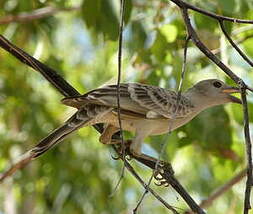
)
(151, 101)
(160, 101)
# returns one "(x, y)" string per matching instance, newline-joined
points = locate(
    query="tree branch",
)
(196, 40)
(248, 145)
(121, 28)
(147, 187)
(234, 45)
(34, 15)
(224, 188)
(194, 37)
(51, 75)
(221, 190)
(183, 4)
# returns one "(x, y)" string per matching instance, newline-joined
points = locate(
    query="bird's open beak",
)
(230, 90)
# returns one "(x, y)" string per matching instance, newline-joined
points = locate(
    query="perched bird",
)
(145, 110)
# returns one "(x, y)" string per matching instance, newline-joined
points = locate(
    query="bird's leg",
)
(160, 167)
(135, 146)
(135, 151)
(106, 136)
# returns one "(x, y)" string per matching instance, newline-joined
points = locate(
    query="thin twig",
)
(171, 123)
(240, 82)
(155, 171)
(169, 178)
(182, 4)
(247, 59)
(51, 75)
(122, 9)
(237, 42)
(142, 197)
(164, 183)
(224, 188)
(221, 190)
(195, 38)
(134, 173)
(34, 15)
(248, 145)
(182, 192)
(121, 28)
(179, 90)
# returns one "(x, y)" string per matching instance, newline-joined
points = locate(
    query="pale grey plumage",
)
(145, 109)
(138, 98)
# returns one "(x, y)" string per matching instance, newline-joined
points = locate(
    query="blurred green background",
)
(79, 175)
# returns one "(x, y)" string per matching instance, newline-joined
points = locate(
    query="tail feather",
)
(72, 124)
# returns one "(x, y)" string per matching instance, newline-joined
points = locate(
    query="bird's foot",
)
(106, 136)
(160, 167)
(163, 169)
(122, 150)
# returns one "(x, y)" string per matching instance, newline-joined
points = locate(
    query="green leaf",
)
(227, 6)
(169, 32)
(100, 17)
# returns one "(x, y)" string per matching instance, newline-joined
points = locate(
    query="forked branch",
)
(196, 40)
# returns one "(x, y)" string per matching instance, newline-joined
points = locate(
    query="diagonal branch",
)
(147, 187)
(237, 42)
(51, 75)
(194, 37)
(183, 4)
(248, 145)
(234, 45)
(196, 40)
(221, 190)
(34, 15)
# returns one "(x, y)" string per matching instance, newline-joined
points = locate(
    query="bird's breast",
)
(153, 126)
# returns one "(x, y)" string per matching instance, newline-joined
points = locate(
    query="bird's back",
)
(139, 98)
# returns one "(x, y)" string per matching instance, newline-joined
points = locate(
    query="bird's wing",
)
(147, 100)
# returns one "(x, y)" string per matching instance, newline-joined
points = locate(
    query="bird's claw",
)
(115, 157)
(123, 151)
(128, 157)
(162, 169)
(163, 183)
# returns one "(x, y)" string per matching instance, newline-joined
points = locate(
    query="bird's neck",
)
(201, 101)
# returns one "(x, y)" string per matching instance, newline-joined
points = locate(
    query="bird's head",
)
(213, 92)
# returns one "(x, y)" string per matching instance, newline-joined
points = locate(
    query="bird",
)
(145, 110)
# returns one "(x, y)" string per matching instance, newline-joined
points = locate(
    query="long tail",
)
(79, 119)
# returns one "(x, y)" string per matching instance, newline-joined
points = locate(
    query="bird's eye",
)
(217, 84)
